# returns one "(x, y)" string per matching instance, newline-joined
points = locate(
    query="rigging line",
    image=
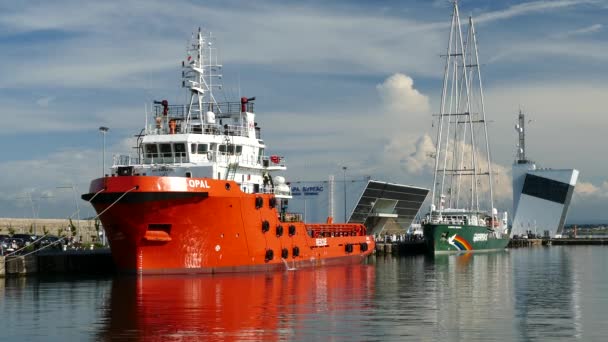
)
(31, 243)
(119, 198)
(37, 250)
(97, 193)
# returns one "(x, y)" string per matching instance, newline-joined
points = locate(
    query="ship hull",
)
(444, 238)
(176, 225)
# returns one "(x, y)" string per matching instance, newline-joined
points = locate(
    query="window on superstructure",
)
(180, 149)
(239, 150)
(193, 148)
(230, 149)
(222, 149)
(165, 150)
(203, 148)
(151, 151)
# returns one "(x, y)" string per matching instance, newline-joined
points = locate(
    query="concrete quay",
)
(401, 247)
(97, 261)
(86, 232)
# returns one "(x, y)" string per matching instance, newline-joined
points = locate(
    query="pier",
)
(96, 261)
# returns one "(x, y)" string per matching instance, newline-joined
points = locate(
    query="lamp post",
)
(103, 131)
(344, 169)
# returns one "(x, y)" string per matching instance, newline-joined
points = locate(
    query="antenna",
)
(521, 132)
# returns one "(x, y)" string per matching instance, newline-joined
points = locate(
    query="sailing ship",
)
(462, 215)
(201, 196)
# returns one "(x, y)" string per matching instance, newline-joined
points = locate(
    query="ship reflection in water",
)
(265, 306)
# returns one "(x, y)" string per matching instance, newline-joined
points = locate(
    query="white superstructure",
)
(541, 197)
(205, 138)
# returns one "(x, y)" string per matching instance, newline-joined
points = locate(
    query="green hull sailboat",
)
(462, 217)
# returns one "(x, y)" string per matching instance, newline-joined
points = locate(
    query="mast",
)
(200, 70)
(521, 131)
(442, 112)
(459, 156)
(483, 115)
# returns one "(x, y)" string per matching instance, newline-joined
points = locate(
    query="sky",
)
(340, 83)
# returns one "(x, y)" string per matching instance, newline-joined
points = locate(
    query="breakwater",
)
(96, 261)
(84, 230)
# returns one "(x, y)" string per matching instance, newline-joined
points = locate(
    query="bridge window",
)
(222, 149)
(165, 150)
(180, 149)
(239, 150)
(203, 148)
(151, 151)
(193, 148)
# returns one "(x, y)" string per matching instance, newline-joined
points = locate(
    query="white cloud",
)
(587, 190)
(581, 31)
(400, 97)
(45, 101)
(529, 8)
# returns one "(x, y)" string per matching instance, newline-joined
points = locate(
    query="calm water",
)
(556, 293)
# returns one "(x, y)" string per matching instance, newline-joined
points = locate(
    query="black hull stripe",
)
(140, 197)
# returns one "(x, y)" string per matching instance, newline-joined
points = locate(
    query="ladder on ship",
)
(231, 171)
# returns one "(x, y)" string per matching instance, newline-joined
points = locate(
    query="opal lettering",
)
(198, 183)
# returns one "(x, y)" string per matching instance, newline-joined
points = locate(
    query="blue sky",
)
(346, 83)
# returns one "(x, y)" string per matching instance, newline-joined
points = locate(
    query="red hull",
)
(184, 225)
(276, 306)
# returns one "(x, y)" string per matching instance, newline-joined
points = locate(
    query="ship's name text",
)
(198, 183)
(480, 237)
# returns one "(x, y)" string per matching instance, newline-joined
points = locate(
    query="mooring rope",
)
(97, 193)
(118, 199)
(34, 251)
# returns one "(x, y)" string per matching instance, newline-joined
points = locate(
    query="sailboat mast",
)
(483, 115)
(442, 113)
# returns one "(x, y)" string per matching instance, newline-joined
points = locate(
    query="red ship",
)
(200, 197)
(274, 306)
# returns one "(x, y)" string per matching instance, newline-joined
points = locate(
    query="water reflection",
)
(546, 297)
(299, 304)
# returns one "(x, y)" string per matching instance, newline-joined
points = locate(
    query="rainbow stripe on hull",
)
(443, 238)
